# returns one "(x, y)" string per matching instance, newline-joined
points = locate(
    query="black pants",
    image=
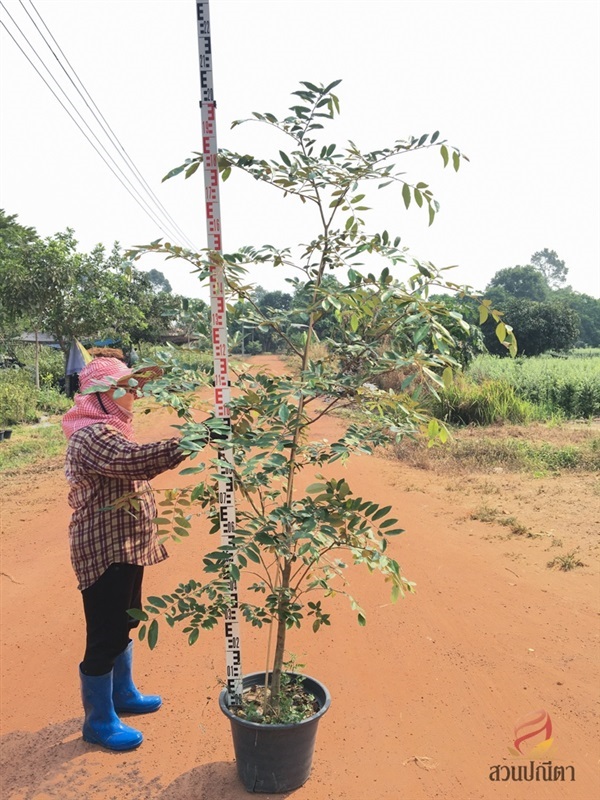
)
(108, 624)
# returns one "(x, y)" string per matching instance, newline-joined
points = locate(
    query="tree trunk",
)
(37, 360)
(281, 633)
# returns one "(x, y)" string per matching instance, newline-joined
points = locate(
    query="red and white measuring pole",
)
(219, 335)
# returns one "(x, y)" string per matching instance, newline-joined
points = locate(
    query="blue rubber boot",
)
(126, 696)
(101, 725)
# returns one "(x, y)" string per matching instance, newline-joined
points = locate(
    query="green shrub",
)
(51, 401)
(17, 398)
(184, 357)
(21, 402)
(52, 363)
(254, 348)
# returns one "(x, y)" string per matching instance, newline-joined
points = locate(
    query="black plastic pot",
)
(5, 434)
(275, 758)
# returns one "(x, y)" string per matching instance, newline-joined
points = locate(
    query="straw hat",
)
(102, 374)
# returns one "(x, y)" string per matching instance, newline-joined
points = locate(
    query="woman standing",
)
(112, 538)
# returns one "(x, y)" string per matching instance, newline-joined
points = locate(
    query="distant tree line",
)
(545, 314)
(48, 285)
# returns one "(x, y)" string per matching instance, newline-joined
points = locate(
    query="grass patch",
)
(514, 449)
(487, 514)
(566, 562)
(31, 445)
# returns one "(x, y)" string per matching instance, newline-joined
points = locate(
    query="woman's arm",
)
(104, 450)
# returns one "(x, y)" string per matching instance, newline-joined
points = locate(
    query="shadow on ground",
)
(211, 781)
(56, 763)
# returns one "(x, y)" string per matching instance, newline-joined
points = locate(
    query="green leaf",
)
(193, 637)
(173, 172)
(483, 314)
(153, 634)
(190, 170)
(456, 160)
(448, 377)
(157, 601)
(137, 613)
(444, 152)
(381, 513)
(284, 412)
(354, 323)
(285, 158)
(433, 428)
(418, 198)
(431, 214)
(362, 620)
(315, 488)
(406, 194)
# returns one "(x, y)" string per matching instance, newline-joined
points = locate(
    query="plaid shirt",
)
(106, 469)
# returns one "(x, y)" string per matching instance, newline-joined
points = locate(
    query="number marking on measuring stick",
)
(222, 383)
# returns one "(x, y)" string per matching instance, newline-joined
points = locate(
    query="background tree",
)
(587, 309)
(33, 273)
(47, 285)
(539, 327)
(526, 283)
(550, 266)
(158, 281)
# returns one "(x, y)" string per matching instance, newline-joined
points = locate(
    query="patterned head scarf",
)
(96, 405)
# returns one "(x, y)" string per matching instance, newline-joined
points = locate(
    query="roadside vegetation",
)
(567, 385)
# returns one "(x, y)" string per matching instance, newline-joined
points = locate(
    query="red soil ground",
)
(424, 699)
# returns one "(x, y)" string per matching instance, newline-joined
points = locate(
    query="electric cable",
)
(102, 121)
(122, 178)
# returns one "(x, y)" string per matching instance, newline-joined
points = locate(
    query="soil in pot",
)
(277, 757)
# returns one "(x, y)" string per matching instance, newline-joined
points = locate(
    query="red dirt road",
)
(424, 699)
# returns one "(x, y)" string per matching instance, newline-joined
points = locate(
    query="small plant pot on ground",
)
(5, 434)
(275, 758)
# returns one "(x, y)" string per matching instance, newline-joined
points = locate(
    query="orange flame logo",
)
(533, 735)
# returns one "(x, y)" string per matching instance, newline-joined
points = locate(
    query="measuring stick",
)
(219, 337)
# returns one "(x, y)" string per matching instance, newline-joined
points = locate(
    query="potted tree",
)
(290, 552)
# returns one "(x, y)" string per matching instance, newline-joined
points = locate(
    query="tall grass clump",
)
(487, 403)
(568, 386)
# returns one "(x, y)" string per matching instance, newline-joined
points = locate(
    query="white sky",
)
(515, 85)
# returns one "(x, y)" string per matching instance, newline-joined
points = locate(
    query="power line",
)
(122, 178)
(103, 121)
